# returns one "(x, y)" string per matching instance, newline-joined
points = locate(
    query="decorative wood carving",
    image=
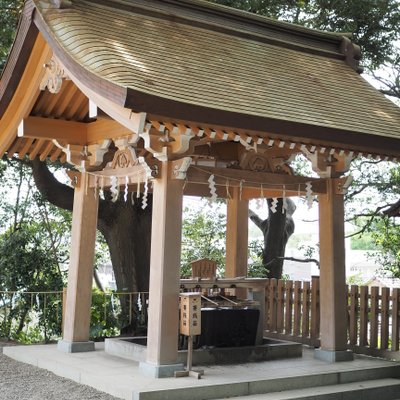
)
(328, 165)
(167, 142)
(53, 77)
(180, 167)
(275, 162)
(124, 158)
(97, 151)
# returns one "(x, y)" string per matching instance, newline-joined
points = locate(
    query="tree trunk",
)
(126, 228)
(127, 231)
(277, 229)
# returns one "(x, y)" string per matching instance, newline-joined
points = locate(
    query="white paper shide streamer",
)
(126, 189)
(274, 205)
(309, 196)
(114, 189)
(144, 198)
(213, 190)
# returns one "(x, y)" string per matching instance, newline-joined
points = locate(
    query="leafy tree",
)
(9, 14)
(125, 227)
(374, 23)
(203, 236)
(33, 247)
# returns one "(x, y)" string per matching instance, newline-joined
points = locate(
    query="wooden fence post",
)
(297, 309)
(364, 310)
(354, 314)
(395, 319)
(288, 307)
(315, 311)
(374, 317)
(385, 318)
(272, 303)
(280, 306)
(305, 317)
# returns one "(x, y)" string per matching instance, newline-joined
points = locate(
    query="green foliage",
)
(386, 234)
(256, 269)
(375, 24)
(9, 14)
(203, 236)
(104, 321)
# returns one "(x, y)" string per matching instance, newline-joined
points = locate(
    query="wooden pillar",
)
(163, 323)
(80, 273)
(333, 299)
(236, 236)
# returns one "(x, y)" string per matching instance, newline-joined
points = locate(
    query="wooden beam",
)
(46, 151)
(71, 132)
(25, 148)
(248, 193)
(47, 128)
(38, 145)
(102, 129)
(253, 179)
(56, 153)
(13, 149)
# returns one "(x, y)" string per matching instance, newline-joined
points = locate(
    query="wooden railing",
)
(292, 313)
(292, 310)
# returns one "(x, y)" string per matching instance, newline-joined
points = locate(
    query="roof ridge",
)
(231, 21)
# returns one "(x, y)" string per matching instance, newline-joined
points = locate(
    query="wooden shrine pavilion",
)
(192, 97)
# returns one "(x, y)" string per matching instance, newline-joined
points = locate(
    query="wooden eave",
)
(71, 103)
(18, 57)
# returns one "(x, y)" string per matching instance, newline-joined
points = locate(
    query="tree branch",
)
(301, 260)
(51, 189)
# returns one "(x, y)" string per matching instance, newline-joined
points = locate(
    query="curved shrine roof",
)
(180, 54)
(192, 60)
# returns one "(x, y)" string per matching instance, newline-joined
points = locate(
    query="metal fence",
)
(31, 317)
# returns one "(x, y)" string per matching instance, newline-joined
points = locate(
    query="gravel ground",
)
(19, 381)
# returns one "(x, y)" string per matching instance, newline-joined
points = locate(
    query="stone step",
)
(357, 382)
(382, 389)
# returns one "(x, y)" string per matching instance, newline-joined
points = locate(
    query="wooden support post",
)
(333, 296)
(237, 238)
(163, 323)
(80, 273)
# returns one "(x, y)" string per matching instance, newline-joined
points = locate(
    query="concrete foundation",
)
(159, 371)
(333, 356)
(75, 347)
(271, 349)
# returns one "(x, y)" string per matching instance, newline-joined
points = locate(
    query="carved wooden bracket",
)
(75, 178)
(343, 184)
(180, 167)
(328, 165)
(97, 151)
(167, 142)
(54, 76)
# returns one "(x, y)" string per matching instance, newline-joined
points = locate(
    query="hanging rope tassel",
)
(96, 189)
(228, 193)
(138, 188)
(284, 200)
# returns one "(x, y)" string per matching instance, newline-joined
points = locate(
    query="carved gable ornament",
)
(53, 76)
